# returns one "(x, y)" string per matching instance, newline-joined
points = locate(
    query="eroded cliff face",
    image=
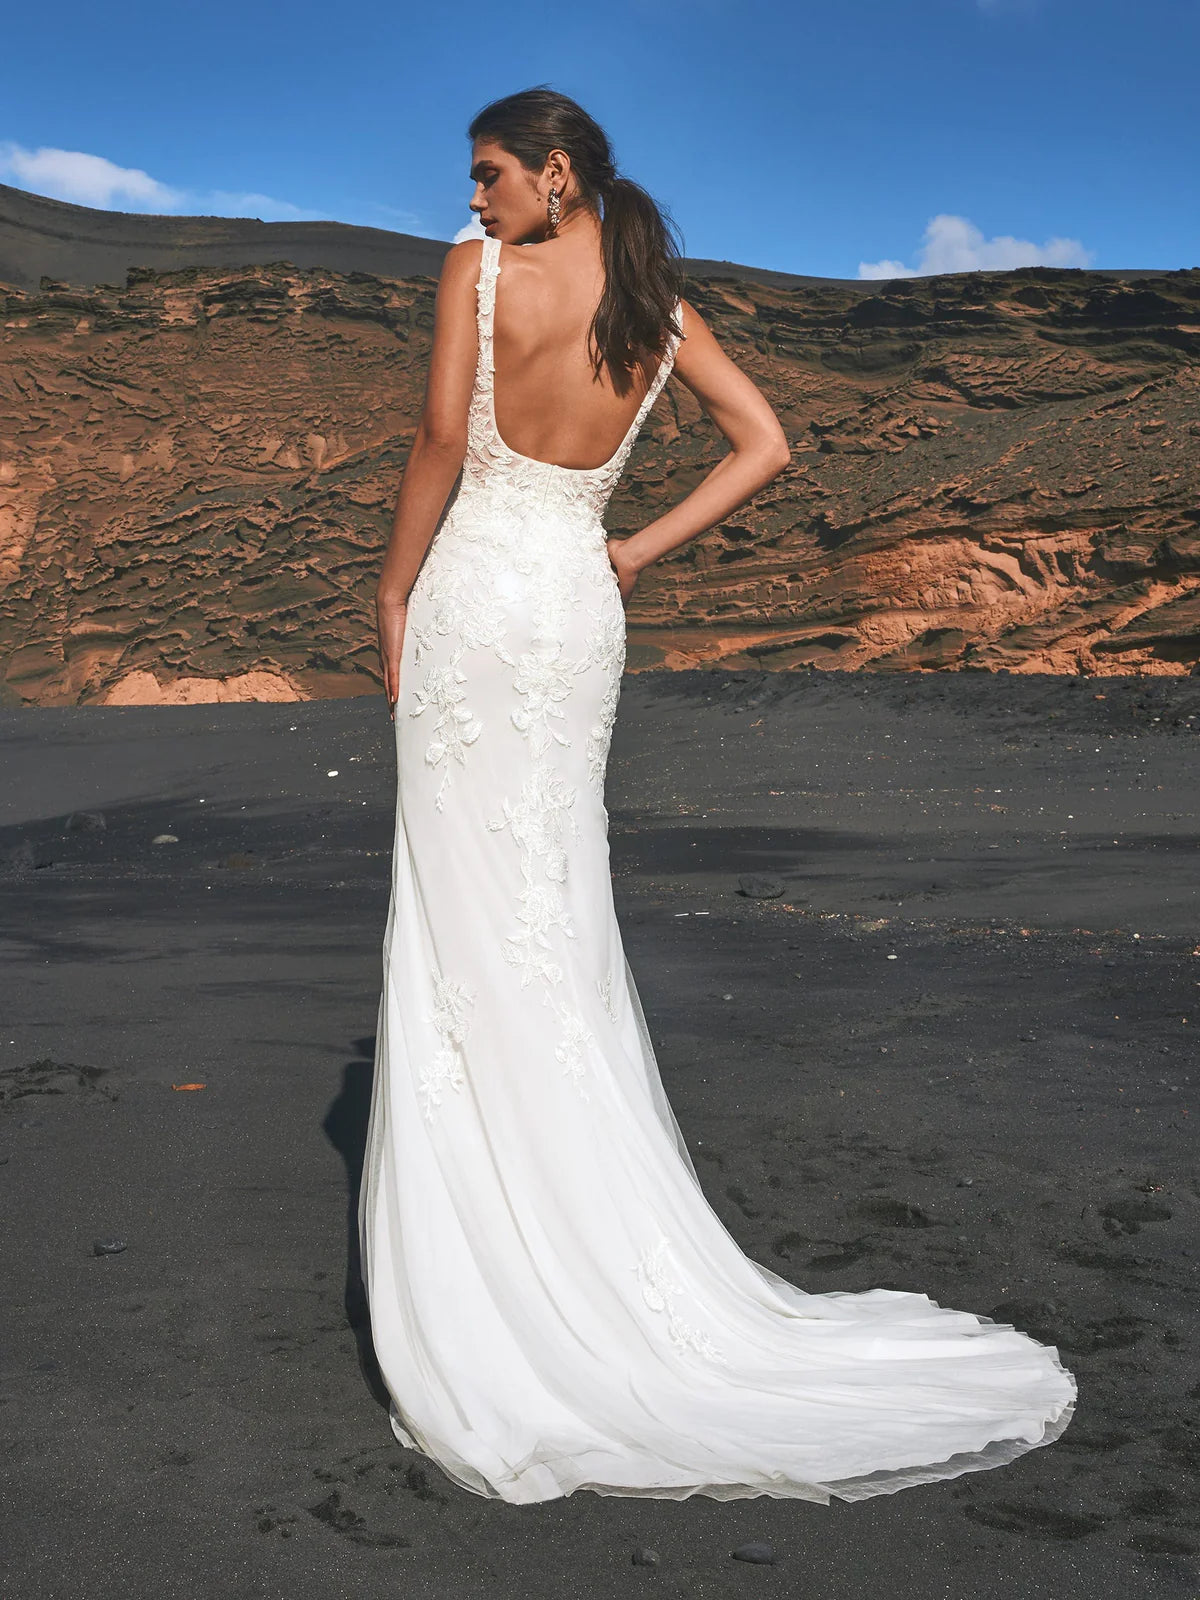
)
(197, 474)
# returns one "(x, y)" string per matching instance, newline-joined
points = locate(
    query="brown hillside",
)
(990, 470)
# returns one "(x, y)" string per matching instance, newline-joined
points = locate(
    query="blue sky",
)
(850, 138)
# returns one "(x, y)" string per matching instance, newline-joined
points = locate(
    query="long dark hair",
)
(643, 278)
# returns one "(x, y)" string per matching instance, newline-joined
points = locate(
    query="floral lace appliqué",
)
(605, 987)
(606, 651)
(659, 1290)
(576, 1041)
(451, 1016)
(455, 728)
(539, 822)
(543, 680)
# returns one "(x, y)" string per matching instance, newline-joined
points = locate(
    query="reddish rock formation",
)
(197, 473)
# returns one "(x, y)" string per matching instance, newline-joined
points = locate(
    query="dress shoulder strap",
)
(485, 305)
(665, 366)
(489, 262)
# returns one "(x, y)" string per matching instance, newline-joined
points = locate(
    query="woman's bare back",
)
(549, 404)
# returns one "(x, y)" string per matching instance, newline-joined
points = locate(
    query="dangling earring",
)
(553, 210)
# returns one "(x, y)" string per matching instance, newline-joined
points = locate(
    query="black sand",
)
(999, 1116)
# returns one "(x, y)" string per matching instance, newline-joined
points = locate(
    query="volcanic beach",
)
(921, 958)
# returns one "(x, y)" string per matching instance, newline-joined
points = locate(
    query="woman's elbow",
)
(766, 452)
(777, 452)
(443, 439)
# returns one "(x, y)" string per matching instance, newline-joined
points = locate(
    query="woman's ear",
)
(558, 169)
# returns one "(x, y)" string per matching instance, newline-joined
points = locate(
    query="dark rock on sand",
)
(760, 885)
(757, 1552)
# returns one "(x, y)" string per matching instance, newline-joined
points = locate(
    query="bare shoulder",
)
(462, 261)
(695, 329)
(700, 360)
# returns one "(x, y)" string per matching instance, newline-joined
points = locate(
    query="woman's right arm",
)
(438, 450)
(759, 451)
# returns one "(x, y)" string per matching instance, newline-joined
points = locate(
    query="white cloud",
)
(470, 230)
(87, 180)
(220, 203)
(953, 244)
(884, 269)
(83, 179)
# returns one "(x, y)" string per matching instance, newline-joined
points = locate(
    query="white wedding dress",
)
(554, 1304)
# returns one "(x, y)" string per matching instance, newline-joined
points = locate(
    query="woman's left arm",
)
(435, 459)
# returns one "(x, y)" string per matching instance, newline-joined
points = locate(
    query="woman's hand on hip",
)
(627, 573)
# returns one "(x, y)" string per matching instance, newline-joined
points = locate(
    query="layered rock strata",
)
(990, 470)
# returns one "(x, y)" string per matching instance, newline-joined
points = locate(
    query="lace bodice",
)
(509, 479)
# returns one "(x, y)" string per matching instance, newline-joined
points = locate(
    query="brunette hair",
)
(642, 272)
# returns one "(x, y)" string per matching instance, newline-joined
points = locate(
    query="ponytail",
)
(642, 275)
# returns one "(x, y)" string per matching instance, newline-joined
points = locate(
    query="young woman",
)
(554, 1304)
